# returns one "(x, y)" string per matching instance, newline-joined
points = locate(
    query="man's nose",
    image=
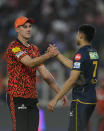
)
(28, 29)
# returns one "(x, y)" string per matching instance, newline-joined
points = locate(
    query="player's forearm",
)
(39, 60)
(48, 78)
(65, 89)
(67, 62)
(52, 84)
(55, 87)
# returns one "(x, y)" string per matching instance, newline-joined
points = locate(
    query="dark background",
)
(56, 21)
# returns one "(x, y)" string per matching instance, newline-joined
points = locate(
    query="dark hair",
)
(88, 30)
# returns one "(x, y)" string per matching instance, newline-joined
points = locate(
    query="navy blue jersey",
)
(86, 60)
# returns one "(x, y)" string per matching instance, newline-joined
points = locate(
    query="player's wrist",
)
(57, 98)
(48, 55)
(58, 55)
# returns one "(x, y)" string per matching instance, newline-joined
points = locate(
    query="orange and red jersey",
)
(22, 79)
(100, 100)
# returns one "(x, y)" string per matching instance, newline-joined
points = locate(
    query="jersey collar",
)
(22, 43)
(86, 46)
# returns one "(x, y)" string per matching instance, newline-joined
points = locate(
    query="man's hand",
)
(52, 104)
(52, 51)
(54, 101)
(65, 101)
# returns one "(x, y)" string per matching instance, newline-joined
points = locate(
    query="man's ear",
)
(82, 36)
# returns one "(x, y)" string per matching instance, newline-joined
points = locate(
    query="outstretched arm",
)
(64, 60)
(32, 62)
(65, 89)
(67, 62)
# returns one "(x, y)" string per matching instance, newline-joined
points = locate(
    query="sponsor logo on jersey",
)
(71, 113)
(78, 56)
(16, 49)
(23, 107)
(77, 65)
(93, 55)
(20, 53)
(25, 51)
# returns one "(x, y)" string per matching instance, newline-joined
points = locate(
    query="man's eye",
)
(24, 26)
(30, 25)
(27, 26)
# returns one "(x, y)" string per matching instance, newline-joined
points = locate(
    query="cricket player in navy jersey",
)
(82, 80)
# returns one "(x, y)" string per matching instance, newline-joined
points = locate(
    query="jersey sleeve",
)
(37, 53)
(17, 52)
(78, 61)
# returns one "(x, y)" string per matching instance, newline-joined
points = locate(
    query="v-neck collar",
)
(22, 43)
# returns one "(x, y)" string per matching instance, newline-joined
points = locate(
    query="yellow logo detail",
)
(16, 49)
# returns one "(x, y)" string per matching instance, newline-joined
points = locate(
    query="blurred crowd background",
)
(56, 22)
